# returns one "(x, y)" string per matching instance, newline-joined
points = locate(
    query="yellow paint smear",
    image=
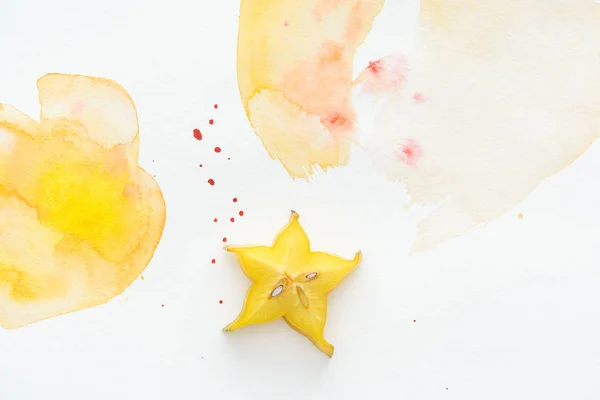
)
(498, 96)
(295, 76)
(79, 219)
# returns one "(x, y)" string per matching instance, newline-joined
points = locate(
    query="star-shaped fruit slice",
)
(291, 282)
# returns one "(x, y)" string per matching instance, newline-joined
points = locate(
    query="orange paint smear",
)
(299, 102)
(79, 219)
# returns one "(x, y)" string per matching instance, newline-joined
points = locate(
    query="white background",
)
(509, 311)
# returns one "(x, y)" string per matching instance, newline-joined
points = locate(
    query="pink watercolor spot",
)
(410, 152)
(419, 97)
(383, 76)
(338, 123)
(77, 108)
(375, 66)
(286, 24)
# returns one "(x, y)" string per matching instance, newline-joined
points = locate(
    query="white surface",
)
(505, 312)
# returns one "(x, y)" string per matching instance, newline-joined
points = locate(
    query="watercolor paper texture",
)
(79, 219)
(495, 96)
(295, 77)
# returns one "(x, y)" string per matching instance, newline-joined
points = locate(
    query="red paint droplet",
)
(211, 182)
(446, 388)
(162, 305)
(419, 97)
(228, 158)
(235, 199)
(215, 220)
(200, 165)
(224, 240)
(220, 301)
(152, 160)
(217, 149)
(197, 134)
(414, 320)
(213, 261)
(211, 121)
(216, 106)
(241, 213)
(232, 219)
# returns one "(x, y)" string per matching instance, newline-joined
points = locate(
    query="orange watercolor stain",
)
(520, 216)
(309, 89)
(77, 210)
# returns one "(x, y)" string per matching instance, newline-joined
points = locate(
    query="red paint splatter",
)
(211, 121)
(213, 261)
(241, 213)
(224, 240)
(220, 301)
(200, 165)
(215, 220)
(228, 158)
(216, 106)
(419, 97)
(232, 219)
(410, 152)
(217, 149)
(197, 134)
(235, 199)
(375, 66)
(211, 182)
(162, 305)
(414, 320)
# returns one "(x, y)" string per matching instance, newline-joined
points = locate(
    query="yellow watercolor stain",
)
(79, 219)
(481, 118)
(520, 216)
(295, 76)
